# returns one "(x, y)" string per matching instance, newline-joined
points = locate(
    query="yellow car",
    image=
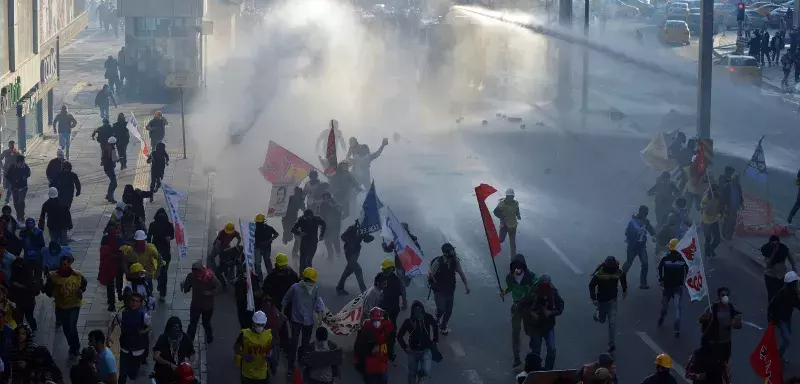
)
(767, 8)
(674, 32)
(742, 69)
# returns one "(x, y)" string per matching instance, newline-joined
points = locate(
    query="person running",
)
(331, 213)
(507, 211)
(776, 255)
(311, 230)
(159, 161)
(293, 207)
(390, 247)
(66, 286)
(344, 188)
(664, 193)
(68, 185)
(352, 240)
(304, 300)
(139, 282)
(672, 271)
(223, 242)
(123, 135)
(542, 307)
(143, 253)
(442, 280)
(160, 233)
(253, 349)
(717, 323)
(312, 190)
(106, 363)
(780, 310)
(56, 216)
(54, 167)
(519, 283)
(109, 161)
(203, 284)
(157, 128)
(322, 359)
(662, 375)
(636, 237)
(363, 161)
(604, 292)
(134, 323)
(17, 176)
(103, 101)
(423, 335)
(279, 281)
(393, 299)
(262, 247)
(9, 157)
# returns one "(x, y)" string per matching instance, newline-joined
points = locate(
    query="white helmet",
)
(112, 140)
(790, 277)
(259, 318)
(52, 192)
(140, 235)
(509, 192)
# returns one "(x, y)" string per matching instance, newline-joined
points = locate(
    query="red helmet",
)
(376, 314)
(185, 373)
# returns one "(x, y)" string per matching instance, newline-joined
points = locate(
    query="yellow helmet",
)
(281, 260)
(310, 273)
(387, 263)
(673, 244)
(136, 268)
(663, 360)
(229, 228)
(260, 218)
(158, 114)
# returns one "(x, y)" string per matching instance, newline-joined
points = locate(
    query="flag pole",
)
(496, 274)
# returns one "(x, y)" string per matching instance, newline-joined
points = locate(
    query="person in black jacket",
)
(423, 334)
(103, 100)
(776, 254)
(103, 133)
(56, 216)
(63, 124)
(541, 308)
(123, 135)
(392, 296)
(157, 127)
(135, 197)
(68, 185)
(160, 233)
(352, 250)
(158, 160)
(603, 292)
(54, 167)
(672, 271)
(12, 224)
(262, 238)
(311, 229)
(17, 177)
(331, 212)
(781, 307)
(108, 160)
(296, 204)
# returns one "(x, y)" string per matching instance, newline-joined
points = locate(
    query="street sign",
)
(181, 79)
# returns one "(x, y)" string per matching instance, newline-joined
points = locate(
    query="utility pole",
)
(704, 70)
(564, 96)
(585, 89)
(183, 124)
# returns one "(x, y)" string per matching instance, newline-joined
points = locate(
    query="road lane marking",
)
(472, 376)
(561, 255)
(652, 344)
(458, 350)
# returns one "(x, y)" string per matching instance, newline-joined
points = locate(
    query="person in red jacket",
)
(109, 273)
(371, 348)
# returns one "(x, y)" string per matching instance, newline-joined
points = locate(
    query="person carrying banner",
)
(507, 211)
(352, 250)
(519, 283)
(717, 323)
(305, 301)
(393, 300)
(311, 230)
(604, 293)
(390, 247)
(442, 280)
(672, 271)
(263, 237)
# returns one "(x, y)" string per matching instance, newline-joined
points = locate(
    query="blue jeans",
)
(639, 250)
(69, 324)
(64, 141)
(673, 294)
(549, 338)
(418, 362)
(608, 311)
(104, 111)
(785, 329)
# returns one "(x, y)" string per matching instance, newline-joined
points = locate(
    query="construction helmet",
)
(229, 228)
(185, 373)
(136, 268)
(260, 318)
(260, 218)
(663, 360)
(281, 260)
(376, 314)
(673, 244)
(387, 263)
(310, 274)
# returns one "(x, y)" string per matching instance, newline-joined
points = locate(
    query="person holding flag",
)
(442, 281)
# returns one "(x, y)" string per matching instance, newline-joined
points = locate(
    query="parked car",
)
(752, 19)
(721, 11)
(617, 8)
(644, 8)
(694, 22)
(767, 8)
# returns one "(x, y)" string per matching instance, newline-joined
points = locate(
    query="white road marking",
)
(472, 376)
(652, 344)
(458, 350)
(753, 325)
(561, 255)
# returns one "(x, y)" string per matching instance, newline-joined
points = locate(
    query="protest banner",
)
(133, 127)
(282, 166)
(346, 321)
(696, 282)
(248, 232)
(407, 252)
(279, 199)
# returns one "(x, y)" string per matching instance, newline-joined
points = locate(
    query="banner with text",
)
(696, 282)
(346, 321)
(248, 231)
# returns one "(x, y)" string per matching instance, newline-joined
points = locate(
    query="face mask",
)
(725, 299)
(258, 329)
(376, 324)
(517, 271)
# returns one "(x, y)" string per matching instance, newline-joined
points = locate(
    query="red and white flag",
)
(695, 282)
(482, 192)
(173, 197)
(133, 127)
(330, 151)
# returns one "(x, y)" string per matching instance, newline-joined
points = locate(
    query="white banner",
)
(348, 320)
(248, 230)
(173, 197)
(655, 154)
(696, 282)
(133, 127)
(279, 199)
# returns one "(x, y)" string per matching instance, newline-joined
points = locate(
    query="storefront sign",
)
(49, 68)
(28, 102)
(10, 94)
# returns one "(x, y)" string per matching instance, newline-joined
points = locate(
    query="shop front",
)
(19, 94)
(50, 55)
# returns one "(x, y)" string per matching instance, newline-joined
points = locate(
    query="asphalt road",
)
(577, 183)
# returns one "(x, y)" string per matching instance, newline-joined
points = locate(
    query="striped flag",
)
(173, 196)
(133, 127)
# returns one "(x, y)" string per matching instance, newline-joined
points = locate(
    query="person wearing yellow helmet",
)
(139, 283)
(662, 375)
(222, 243)
(280, 280)
(305, 300)
(672, 271)
(263, 238)
(393, 295)
(157, 129)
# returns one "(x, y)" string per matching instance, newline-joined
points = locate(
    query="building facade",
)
(32, 32)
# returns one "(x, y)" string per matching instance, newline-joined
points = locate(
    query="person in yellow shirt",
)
(507, 211)
(66, 286)
(710, 213)
(253, 350)
(143, 253)
(8, 307)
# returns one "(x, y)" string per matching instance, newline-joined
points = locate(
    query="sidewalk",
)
(81, 76)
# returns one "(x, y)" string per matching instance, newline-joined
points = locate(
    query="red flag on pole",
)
(700, 164)
(330, 152)
(482, 192)
(297, 378)
(766, 360)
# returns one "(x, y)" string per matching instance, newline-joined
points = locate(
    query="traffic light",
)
(740, 12)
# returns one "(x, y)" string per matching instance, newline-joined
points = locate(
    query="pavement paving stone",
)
(81, 74)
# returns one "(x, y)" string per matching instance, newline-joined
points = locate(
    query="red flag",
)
(700, 165)
(296, 377)
(482, 192)
(766, 360)
(330, 152)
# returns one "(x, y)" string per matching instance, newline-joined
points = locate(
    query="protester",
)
(636, 237)
(663, 375)
(112, 70)
(63, 124)
(519, 283)
(331, 213)
(173, 348)
(423, 335)
(223, 242)
(68, 185)
(134, 323)
(352, 239)
(54, 167)
(66, 286)
(305, 300)
(109, 161)
(86, 369)
(157, 129)
(664, 192)
(203, 284)
(390, 248)
(362, 162)
(704, 367)
(604, 293)
(123, 135)
(158, 160)
(279, 281)
(295, 205)
(776, 256)
(106, 363)
(109, 272)
(263, 237)
(710, 214)
(781, 307)
(311, 230)
(12, 225)
(717, 323)
(43, 369)
(344, 188)
(442, 280)
(373, 296)
(370, 347)
(56, 216)
(23, 287)
(138, 282)
(9, 157)
(160, 233)
(322, 359)
(103, 101)
(241, 289)
(17, 176)
(135, 198)
(672, 271)
(507, 211)
(253, 349)
(541, 308)
(394, 299)
(20, 356)
(32, 239)
(533, 363)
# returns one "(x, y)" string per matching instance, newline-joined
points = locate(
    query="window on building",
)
(23, 29)
(4, 36)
